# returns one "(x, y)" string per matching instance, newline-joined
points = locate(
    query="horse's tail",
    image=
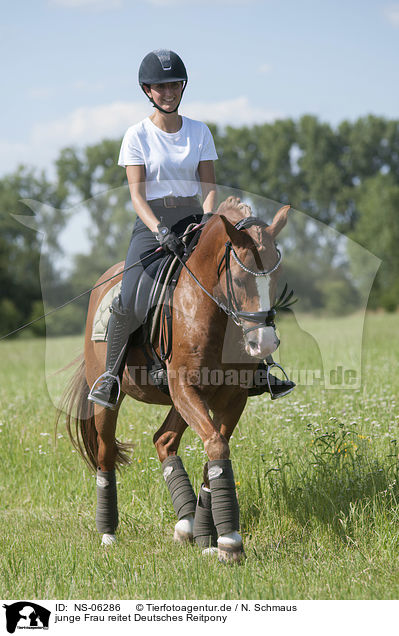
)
(80, 420)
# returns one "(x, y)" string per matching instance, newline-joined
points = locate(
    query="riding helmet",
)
(159, 67)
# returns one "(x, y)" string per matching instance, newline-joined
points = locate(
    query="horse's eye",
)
(238, 282)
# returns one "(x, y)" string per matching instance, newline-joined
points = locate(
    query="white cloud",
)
(85, 126)
(234, 112)
(89, 125)
(81, 127)
(392, 14)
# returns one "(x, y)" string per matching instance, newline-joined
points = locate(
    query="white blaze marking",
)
(265, 338)
(263, 286)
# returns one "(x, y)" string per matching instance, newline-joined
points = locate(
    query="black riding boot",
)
(119, 328)
(268, 383)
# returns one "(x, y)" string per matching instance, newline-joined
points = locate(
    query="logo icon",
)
(26, 615)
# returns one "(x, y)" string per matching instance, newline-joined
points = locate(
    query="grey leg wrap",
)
(180, 488)
(205, 534)
(225, 510)
(107, 502)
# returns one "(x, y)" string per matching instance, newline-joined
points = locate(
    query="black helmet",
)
(159, 67)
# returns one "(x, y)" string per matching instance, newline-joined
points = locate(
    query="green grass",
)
(317, 481)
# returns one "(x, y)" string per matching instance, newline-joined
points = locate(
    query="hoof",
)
(209, 551)
(228, 555)
(184, 530)
(230, 548)
(108, 539)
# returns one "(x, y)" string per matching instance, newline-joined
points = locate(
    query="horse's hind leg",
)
(107, 503)
(166, 441)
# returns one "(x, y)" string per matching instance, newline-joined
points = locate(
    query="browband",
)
(249, 221)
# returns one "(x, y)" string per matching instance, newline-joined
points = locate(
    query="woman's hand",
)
(169, 241)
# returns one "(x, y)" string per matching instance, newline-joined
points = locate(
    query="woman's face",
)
(167, 95)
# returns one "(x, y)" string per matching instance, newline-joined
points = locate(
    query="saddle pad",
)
(101, 318)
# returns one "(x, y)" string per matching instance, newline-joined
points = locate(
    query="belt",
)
(175, 202)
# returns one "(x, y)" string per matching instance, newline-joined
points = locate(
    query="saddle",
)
(152, 308)
(146, 295)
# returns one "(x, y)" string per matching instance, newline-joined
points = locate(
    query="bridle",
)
(260, 318)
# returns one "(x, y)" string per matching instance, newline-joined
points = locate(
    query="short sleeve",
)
(208, 150)
(131, 153)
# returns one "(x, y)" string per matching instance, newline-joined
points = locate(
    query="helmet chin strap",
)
(167, 112)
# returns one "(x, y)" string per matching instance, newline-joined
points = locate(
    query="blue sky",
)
(69, 73)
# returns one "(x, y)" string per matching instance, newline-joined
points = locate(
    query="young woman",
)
(169, 163)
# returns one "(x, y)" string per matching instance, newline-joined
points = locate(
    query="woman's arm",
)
(136, 180)
(206, 172)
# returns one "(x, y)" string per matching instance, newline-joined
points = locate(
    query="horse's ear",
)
(235, 236)
(279, 221)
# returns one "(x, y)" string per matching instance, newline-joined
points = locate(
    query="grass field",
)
(317, 481)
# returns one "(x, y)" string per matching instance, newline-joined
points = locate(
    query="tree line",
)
(344, 179)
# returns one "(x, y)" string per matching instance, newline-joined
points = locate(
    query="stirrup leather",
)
(105, 375)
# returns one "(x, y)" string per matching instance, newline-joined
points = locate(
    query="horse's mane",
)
(234, 210)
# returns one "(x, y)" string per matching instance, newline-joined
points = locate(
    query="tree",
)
(92, 177)
(377, 229)
(343, 179)
(20, 246)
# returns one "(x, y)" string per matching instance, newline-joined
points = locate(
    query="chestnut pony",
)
(211, 409)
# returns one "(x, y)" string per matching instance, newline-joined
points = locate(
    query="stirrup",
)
(276, 396)
(108, 405)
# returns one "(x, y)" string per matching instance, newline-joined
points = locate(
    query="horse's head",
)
(249, 270)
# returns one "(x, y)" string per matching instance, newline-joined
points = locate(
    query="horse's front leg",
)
(215, 434)
(166, 441)
(107, 503)
(226, 417)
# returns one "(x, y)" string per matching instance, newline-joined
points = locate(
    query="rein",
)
(88, 291)
(262, 318)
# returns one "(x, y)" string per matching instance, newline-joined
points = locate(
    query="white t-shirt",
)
(170, 159)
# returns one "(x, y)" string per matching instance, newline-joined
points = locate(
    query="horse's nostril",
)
(253, 344)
